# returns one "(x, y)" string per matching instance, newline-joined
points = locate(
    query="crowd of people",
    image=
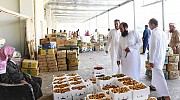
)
(124, 47)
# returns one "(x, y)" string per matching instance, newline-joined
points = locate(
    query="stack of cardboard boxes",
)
(97, 47)
(72, 60)
(49, 54)
(172, 66)
(30, 67)
(101, 41)
(90, 47)
(51, 62)
(61, 59)
(84, 46)
(42, 63)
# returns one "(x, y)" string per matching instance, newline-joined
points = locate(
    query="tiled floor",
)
(92, 59)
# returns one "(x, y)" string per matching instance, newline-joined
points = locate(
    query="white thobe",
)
(112, 47)
(131, 64)
(158, 45)
(96, 36)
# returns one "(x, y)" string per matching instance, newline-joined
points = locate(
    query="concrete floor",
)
(93, 59)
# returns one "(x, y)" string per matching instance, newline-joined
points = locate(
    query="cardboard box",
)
(41, 58)
(121, 96)
(104, 98)
(75, 67)
(141, 94)
(42, 64)
(101, 47)
(97, 48)
(84, 44)
(30, 64)
(77, 92)
(173, 74)
(48, 35)
(174, 58)
(50, 57)
(72, 54)
(169, 51)
(61, 61)
(165, 75)
(99, 72)
(44, 69)
(33, 72)
(62, 96)
(104, 82)
(47, 52)
(172, 66)
(44, 40)
(61, 54)
(52, 63)
(165, 67)
(71, 42)
(52, 39)
(166, 60)
(73, 61)
(62, 67)
(147, 65)
(53, 69)
(60, 42)
(80, 97)
(51, 45)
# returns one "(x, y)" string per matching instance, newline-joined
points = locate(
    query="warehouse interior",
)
(27, 25)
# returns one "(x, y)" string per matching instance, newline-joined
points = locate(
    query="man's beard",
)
(124, 34)
(170, 31)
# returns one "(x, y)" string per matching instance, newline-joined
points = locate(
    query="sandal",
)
(152, 88)
(159, 98)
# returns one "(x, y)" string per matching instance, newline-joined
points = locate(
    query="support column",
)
(134, 10)
(163, 15)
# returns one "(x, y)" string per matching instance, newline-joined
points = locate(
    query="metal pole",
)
(163, 17)
(108, 20)
(134, 10)
(96, 22)
(89, 26)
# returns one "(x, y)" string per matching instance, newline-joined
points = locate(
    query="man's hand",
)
(174, 48)
(118, 63)
(151, 65)
(106, 52)
(142, 38)
(23, 81)
(127, 49)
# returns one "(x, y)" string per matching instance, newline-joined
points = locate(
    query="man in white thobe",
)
(96, 35)
(157, 53)
(129, 52)
(112, 46)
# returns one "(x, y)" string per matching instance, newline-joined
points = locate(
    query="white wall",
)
(9, 25)
(26, 8)
(51, 22)
(39, 20)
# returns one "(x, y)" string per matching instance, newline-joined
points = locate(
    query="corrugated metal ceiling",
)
(81, 10)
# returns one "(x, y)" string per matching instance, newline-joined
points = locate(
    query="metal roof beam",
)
(78, 4)
(76, 9)
(152, 3)
(111, 9)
